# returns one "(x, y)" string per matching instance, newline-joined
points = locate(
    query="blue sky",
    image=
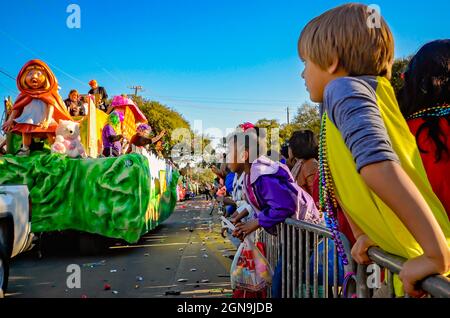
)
(220, 61)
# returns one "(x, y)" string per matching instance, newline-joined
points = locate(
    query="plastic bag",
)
(250, 270)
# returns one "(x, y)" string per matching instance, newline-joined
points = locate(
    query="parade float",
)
(133, 116)
(120, 197)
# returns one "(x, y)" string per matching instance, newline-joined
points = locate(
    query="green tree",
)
(269, 124)
(161, 117)
(203, 175)
(307, 117)
(205, 140)
(286, 132)
(398, 69)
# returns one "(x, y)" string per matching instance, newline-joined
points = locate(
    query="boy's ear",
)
(334, 67)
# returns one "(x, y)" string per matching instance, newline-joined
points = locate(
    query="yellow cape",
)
(364, 207)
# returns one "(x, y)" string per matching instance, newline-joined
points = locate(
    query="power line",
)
(7, 74)
(111, 75)
(208, 100)
(37, 55)
(8, 88)
(226, 109)
(187, 104)
(10, 77)
(137, 89)
(219, 102)
(225, 100)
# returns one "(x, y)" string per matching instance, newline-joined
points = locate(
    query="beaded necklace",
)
(439, 111)
(327, 199)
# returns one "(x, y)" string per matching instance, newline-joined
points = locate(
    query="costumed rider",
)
(112, 135)
(142, 139)
(101, 96)
(38, 108)
(74, 104)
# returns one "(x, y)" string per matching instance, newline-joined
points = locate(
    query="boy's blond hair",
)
(346, 32)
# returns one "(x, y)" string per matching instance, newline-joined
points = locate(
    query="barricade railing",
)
(311, 267)
(305, 251)
(436, 286)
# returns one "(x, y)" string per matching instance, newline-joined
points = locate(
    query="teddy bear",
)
(68, 140)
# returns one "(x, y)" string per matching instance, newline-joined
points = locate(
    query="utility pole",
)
(137, 89)
(287, 113)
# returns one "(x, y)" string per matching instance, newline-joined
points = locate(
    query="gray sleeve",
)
(351, 104)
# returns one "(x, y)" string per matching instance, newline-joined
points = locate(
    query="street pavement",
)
(183, 257)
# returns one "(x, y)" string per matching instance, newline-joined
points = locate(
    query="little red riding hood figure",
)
(38, 108)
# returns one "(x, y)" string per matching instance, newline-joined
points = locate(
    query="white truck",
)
(15, 227)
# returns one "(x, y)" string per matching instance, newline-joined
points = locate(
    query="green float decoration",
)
(113, 197)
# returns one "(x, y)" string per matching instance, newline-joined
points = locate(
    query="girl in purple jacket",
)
(268, 185)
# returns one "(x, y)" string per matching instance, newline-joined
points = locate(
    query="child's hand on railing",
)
(237, 234)
(359, 250)
(234, 220)
(245, 229)
(415, 270)
(237, 217)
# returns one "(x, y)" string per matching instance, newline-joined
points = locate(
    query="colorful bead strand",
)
(439, 111)
(327, 199)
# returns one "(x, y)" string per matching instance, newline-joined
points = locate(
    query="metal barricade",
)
(297, 245)
(436, 286)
